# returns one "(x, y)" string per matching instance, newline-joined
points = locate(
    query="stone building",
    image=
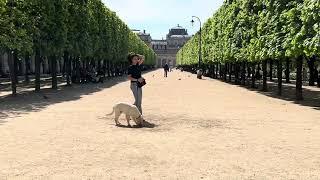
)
(167, 49)
(145, 37)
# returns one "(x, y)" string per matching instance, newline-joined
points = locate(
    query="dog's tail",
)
(111, 112)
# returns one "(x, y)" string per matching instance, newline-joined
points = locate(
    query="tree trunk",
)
(27, 68)
(109, 73)
(1, 66)
(225, 72)
(311, 62)
(124, 68)
(112, 69)
(99, 65)
(279, 73)
(258, 70)
(13, 74)
(61, 62)
(49, 65)
(19, 67)
(64, 68)
(253, 77)
(271, 70)
(299, 79)
(67, 68)
(16, 66)
(78, 70)
(249, 72)
(287, 70)
(220, 71)
(230, 72)
(243, 73)
(264, 69)
(53, 62)
(37, 70)
(91, 63)
(318, 80)
(236, 73)
(104, 68)
(217, 71)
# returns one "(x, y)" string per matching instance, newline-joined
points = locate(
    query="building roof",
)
(178, 30)
(143, 33)
(178, 27)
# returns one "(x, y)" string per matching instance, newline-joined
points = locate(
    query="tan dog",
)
(130, 111)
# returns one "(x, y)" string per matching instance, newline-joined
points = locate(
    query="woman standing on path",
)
(134, 75)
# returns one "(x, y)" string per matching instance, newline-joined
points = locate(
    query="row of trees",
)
(75, 30)
(244, 34)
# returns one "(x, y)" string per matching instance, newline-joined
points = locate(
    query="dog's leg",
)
(128, 120)
(116, 119)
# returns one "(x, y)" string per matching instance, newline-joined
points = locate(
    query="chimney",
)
(144, 31)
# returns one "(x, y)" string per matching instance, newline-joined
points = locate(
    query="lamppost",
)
(199, 72)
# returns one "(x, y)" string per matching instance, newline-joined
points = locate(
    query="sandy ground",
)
(204, 129)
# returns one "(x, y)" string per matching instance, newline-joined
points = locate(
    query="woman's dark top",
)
(134, 71)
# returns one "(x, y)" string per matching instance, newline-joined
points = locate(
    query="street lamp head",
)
(192, 22)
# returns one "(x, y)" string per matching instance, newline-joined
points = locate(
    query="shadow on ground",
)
(30, 101)
(311, 94)
(311, 97)
(23, 85)
(154, 122)
(2, 122)
(145, 125)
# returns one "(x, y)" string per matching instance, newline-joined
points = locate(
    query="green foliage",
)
(83, 28)
(311, 27)
(13, 30)
(257, 30)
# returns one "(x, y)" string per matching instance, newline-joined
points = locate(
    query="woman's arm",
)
(131, 78)
(141, 59)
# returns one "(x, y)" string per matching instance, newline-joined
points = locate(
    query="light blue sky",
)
(158, 16)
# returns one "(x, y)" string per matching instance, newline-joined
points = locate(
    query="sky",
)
(158, 16)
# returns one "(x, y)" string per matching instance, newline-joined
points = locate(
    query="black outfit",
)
(135, 71)
(166, 69)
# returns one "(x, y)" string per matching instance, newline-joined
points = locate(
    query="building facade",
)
(167, 49)
(146, 37)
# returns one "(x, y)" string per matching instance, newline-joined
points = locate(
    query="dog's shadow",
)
(146, 124)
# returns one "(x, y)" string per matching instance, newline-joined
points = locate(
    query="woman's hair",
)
(131, 56)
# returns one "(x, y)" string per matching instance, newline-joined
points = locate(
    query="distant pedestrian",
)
(166, 69)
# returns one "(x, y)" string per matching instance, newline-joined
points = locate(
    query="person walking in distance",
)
(134, 75)
(166, 69)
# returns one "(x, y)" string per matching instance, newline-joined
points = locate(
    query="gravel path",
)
(203, 129)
